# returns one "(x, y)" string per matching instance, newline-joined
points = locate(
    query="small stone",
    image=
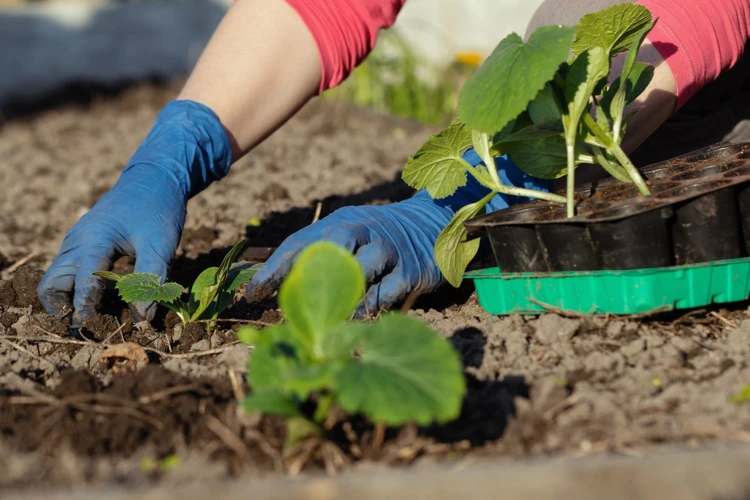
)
(551, 329)
(201, 345)
(235, 358)
(739, 339)
(547, 393)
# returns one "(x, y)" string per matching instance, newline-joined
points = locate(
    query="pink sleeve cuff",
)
(699, 39)
(345, 31)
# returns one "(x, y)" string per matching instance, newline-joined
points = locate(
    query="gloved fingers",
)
(55, 290)
(89, 288)
(152, 261)
(374, 260)
(348, 235)
(381, 296)
(273, 272)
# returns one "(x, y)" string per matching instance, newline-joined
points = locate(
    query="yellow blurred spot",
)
(254, 222)
(170, 463)
(742, 397)
(656, 382)
(472, 59)
(399, 133)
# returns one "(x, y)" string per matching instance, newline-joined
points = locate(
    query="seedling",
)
(533, 102)
(211, 293)
(394, 370)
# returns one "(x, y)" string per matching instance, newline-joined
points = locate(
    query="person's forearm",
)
(260, 67)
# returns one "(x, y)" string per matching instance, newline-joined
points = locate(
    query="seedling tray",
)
(687, 245)
(699, 211)
(616, 292)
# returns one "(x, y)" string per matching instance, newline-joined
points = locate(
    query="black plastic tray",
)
(699, 211)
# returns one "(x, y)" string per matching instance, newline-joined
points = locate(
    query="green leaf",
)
(612, 29)
(543, 157)
(544, 108)
(583, 76)
(210, 291)
(321, 291)
(249, 335)
(109, 275)
(144, 287)
(452, 251)
(272, 403)
(512, 76)
(239, 274)
(638, 80)
(406, 373)
(535, 132)
(303, 380)
(618, 96)
(269, 365)
(342, 340)
(437, 165)
(297, 430)
(481, 144)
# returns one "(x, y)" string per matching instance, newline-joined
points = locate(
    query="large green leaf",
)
(269, 365)
(321, 291)
(512, 76)
(544, 108)
(437, 165)
(145, 287)
(406, 373)
(535, 132)
(543, 157)
(452, 252)
(612, 29)
(271, 402)
(583, 76)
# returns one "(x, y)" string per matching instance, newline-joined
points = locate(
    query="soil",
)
(71, 413)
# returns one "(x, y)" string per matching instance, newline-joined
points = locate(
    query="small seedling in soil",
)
(211, 293)
(533, 101)
(394, 370)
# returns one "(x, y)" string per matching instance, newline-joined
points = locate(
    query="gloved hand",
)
(144, 213)
(394, 243)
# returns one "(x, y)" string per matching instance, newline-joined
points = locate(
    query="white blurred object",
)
(438, 29)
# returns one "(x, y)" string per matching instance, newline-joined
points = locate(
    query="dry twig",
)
(10, 270)
(316, 217)
(228, 437)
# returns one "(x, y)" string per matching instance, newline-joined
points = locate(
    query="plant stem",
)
(613, 170)
(484, 181)
(628, 165)
(617, 151)
(570, 147)
(529, 193)
(497, 186)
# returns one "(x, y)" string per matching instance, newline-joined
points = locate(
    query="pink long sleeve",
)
(345, 31)
(699, 39)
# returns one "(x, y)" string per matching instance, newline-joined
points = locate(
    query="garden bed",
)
(538, 386)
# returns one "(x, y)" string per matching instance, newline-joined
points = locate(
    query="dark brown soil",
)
(538, 386)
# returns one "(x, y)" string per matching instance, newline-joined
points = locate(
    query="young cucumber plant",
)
(211, 293)
(533, 102)
(394, 370)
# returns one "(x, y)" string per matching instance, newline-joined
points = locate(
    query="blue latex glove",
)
(144, 213)
(393, 243)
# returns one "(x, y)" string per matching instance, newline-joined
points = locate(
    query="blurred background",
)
(415, 72)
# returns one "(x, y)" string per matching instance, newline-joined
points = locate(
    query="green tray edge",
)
(635, 291)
